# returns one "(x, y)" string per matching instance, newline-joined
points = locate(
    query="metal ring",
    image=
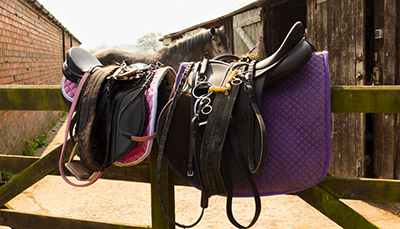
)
(206, 110)
(190, 173)
(201, 79)
(236, 81)
(203, 95)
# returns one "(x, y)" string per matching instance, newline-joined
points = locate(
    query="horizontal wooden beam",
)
(16, 163)
(380, 190)
(344, 99)
(334, 209)
(32, 174)
(137, 173)
(27, 220)
(32, 97)
(371, 190)
(365, 99)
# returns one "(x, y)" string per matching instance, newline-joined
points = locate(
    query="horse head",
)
(219, 43)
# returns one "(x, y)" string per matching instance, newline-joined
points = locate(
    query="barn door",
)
(339, 27)
(247, 28)
(383, 22)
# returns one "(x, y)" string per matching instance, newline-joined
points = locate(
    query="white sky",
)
(97, 22)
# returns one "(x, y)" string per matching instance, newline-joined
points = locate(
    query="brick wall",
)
(31, 53)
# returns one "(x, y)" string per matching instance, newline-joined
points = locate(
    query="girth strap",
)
(213, 141)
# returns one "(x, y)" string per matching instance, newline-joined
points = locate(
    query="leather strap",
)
(71, 111)
(214, 138)
(254, 111)
(245, 170)
(87, 117)
(162, 147)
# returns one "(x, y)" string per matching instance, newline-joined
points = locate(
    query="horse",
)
(189, 48)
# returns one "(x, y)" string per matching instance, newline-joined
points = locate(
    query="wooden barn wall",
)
(247, 28)
(338, 26)
(397, 81)
(278, 21)
(386, 157)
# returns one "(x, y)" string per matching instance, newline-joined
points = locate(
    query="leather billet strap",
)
(162, 142)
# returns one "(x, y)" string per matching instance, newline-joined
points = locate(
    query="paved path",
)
(129, 203)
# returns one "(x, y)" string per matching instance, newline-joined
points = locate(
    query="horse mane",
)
(188, 42)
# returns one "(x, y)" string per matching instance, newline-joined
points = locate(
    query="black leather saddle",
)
(212, 133)
(110, 109)
(78, 62)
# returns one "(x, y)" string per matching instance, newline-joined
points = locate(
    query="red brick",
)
(31, 46)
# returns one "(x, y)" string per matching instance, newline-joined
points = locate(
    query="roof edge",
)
(250, 6)
(42, 10)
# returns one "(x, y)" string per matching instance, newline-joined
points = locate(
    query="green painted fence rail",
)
(344, 99)
(325, 196)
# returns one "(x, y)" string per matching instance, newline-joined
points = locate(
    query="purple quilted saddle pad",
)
(296, 113)
(297, 116)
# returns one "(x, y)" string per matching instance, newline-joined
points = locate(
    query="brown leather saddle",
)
(212, 133)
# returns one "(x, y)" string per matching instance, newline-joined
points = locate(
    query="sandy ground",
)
(129, 203)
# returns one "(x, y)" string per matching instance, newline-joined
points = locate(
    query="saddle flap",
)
(155, 97)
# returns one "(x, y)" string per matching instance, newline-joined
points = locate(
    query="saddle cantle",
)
(212, 133)
(78, 62)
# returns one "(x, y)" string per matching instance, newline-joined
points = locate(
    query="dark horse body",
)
(212, 41)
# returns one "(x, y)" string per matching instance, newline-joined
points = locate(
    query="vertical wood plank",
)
(337, 26)
(397, 81)
(385, 133)
(249, 27)
(158, 218)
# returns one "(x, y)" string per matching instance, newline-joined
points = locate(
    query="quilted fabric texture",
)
(68, 89)
(296, 113)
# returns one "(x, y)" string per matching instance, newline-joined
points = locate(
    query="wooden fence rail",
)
(325, 196)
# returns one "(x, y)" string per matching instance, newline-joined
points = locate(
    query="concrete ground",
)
(129, 203)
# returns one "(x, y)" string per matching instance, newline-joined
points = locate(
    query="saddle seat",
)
(294, 52)
(78, 62)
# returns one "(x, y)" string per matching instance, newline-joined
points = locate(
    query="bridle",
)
(213, 49)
